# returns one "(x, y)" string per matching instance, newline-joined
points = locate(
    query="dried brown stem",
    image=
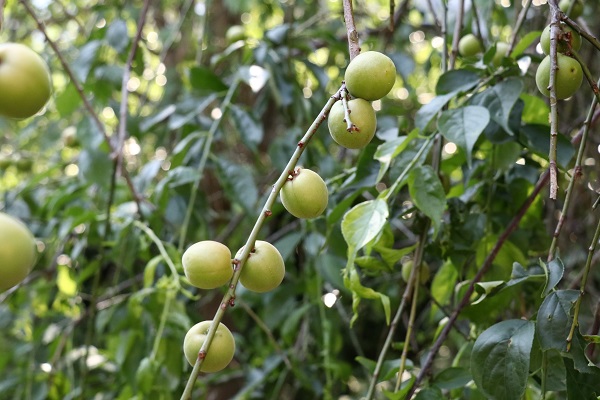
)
(353, 44)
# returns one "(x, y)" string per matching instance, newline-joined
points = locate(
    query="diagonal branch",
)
(353, 45)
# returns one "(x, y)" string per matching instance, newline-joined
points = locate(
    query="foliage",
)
(455, 176)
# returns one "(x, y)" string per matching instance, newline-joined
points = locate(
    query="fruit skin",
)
(305, 195)
(501, 49)
(469, 45)
(575, 12)
(569, 35)
(17, 251)
(221, 350)
(407, 268)
(25, 85)
(362, 115)
(264, 270)
(568, 76)
(207, 264)
(370, 75)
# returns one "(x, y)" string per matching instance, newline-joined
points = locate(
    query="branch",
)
(229, 298)
(519, 24)
(487, 264)
(2, 4)
(456, 37)
(554, 32)
(353, 45)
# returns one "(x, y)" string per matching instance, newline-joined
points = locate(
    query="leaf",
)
(239, 183)
(204, 79)
(443, 283)
(65, 282)
(150, 270)
(554, 272)
(430, 393)
(68, 100)
(581, 385)
(554, 319)
(117, 36)
(452, 378)
(536, 138)
(500, 359)
(250, 130)
(386, 152)
(499, 100)
(363, 222)
(456, 80)
(430, 110)
(87, 55)
(352, 282)
(158, 117)
(463, 126)
(427, 193)
(524, 43)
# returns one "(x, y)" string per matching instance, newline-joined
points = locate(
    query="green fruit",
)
(469, 45)
(221, 350)
(567, 36)
(362, 116)
(207, 264)
(370, 75)
(576, 11)
(235, 33)
(568, 76)
(424, 275)
(25, 85)
(17, 251)
(69, 138)
(264, 270)
(305, 194)
(24, 164)
(501, 49)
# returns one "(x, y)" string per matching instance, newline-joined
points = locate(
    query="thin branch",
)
(586, 73)
(457, 29)
(229, 297)
(583, 32)
(353, 44)
(554, 32)
(2, 4)
(487, 264)
(519, 24)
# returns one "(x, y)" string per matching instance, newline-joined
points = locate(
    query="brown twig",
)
(353, 44)
(518, 25)
(487, 264)
(456, 37)
(554, 32)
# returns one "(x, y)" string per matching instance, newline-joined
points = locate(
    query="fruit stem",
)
(586, 72)
(350, 127)
(239, 262)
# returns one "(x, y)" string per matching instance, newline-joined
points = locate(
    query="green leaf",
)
(430, 110)
(524, 43)
(117, 36)
(455, 81)
(352, 282)
(68, 100)
(554, 319)
(443, 283)
(581, 385)
(463, 126)
(386, 152)
(537, 139)
(499, 100)
(427, 193)
(363, 222)
(430, 393)
(87, 55)
(535, 110)
(500, 359)
(204, 79)
(65, 282)
(554, 272)
(250, 130)
(150, 270)
(452, 378)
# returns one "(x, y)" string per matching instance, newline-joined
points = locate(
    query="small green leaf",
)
(499, 100)
(250, 130)
(117, 36)
(456, 80)
(463, 126)
(150, 270)
(554, 272)
(581, 385)
(500, 359)
(554, 319)
(524, 43)
(204, 79)
(363, 222)
(452, 378)
(427, 193)
(430, 393)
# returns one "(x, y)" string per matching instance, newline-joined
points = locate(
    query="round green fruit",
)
(304, 194)
(370, 75)
(221, 350)
(207, 264)
(424, 275)
(25, 85)
(17, 251)
(469, 46)
(264, 270)
(362, 116)
(568, 76)
(501, 49)
(576, 11)
(568, 36)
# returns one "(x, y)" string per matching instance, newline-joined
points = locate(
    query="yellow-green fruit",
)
(304, 194)
(576, 11)
(469, 45)
(17, 251)
(501, 49)
(568, 36)
(207, 264)
(424, 274)
(362, 116)
(370, 75)
(568, 76)
(25, 85)
(221, 350)
(264, 270)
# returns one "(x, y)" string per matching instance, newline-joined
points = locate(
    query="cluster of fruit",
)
(207, 264)
(470, 46)
(25, 84)
(17, 251)
(569, 74)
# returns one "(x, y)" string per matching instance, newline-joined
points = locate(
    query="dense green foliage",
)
(210, 122)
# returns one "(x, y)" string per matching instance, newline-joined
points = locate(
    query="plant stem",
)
(170, 294)
(586, 73)
(456, 37)
(514, 223)
(200, 170)
(161, 249)
(353, 44)
(518, 25)
(554, 32)
(229, 297)
(396, 185)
